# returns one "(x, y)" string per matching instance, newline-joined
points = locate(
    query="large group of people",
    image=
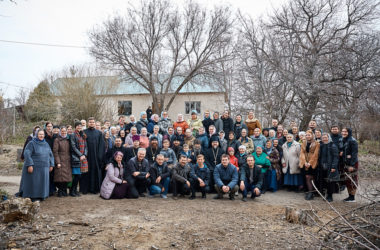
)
(156, 156)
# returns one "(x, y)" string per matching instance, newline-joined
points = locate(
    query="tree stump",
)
(18, 209)
(300, 216)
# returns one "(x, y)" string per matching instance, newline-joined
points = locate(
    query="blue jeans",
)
(250, 187)
(155, 189)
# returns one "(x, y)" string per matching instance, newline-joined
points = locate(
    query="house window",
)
(125, 107)
(189, 106)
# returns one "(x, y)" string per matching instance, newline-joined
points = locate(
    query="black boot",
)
(72, 192)
(60, 193)
(309, 196)
(329, 198)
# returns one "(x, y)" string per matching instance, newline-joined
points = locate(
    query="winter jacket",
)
(252, 125)
(194, 125)
(238, 126)
(311, 156)
(75, 151)
(274, 158)
(202, 173)
(262, 161)
(218, 123)
(169, 153)
(350, 150)
(248, 143)
(207, 122)
(329, 159)
(182, 124)
(112, 151)
(291, 157)
(113, 177)
(223, 144)
(151, 154)
(259, 141)
(150, 126)
(62, 155)
(235, 144)
(141, 124)
(164, 125)
(189, 141)
(181, 173)
(226, 175)
(234, 161)
(204, 141)
(157, 171)
(228, 125)
(242, 159)
(133, 166)
(258, 176)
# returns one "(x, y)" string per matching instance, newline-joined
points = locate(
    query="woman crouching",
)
(113, 186)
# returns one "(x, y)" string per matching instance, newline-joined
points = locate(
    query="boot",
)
(60, 193)
(309, 196)
(72, 192)
(329, 198)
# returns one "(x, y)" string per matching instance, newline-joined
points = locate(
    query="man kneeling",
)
(251, 179)
(181, 177)
(226, 178)
(200, 176)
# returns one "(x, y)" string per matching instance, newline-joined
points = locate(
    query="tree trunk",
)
(308, 112)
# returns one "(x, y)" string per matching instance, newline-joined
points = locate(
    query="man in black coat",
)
(159, 177)
(228, 124)
(137, 173)
(153, 150)
(181, 177)
(213, 157)
(92, 180)
(251, 179)
(207, 121)
(336, 138)
(200, 177)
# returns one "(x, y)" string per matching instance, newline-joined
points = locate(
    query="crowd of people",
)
(154, 156)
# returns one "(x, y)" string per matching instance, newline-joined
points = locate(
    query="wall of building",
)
(209, 101)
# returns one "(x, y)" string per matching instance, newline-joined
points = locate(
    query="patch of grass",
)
(369, 147)
(20, 165)
(3, 193)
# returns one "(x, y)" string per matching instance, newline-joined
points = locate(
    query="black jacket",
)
(242, 159)
(207, 123)
(329, 158)
(203, 173)
(181, 174)
(235, 144)
(112, 151)
(257, 175)
(133, 166)
(75, 152)
(228, 125)
(131, 152)
(350, 148)
(156, 171)
(238, 126)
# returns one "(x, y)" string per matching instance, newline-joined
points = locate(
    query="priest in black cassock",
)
(92, 180)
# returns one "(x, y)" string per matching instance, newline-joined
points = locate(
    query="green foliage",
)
(41, 104)
(369, 147)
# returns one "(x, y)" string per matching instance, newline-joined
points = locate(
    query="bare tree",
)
(161, 47)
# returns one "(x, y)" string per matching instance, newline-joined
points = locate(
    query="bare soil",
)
(89, 222)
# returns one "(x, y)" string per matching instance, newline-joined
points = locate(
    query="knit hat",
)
(230, 149)
(135, 138)
(154, 138)
(194, 112)
(118, 153)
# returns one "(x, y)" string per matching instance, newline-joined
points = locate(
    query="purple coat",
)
(113, 176)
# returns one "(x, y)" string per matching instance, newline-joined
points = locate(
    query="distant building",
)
(128, 97)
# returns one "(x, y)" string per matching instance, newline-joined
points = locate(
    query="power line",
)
(13, 85)
(45, 44)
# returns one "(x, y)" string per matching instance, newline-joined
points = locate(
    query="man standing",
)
(92, 180)
(251, 179)
(181, 177)
(228, 123)
(207, 121)
(274, 124)
(226, 179)
(217, 122)
(137, 173)
(164, 123)
(200, 176)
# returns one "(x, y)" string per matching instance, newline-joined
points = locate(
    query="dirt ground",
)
(89, 222)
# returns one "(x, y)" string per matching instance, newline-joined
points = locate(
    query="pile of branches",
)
(360, 227)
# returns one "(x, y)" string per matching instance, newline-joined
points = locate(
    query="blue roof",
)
(121, 86)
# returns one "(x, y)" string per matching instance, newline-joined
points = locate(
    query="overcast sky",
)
(64, 22)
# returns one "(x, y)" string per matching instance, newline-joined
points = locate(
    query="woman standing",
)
(274, 175)
(309, 161)
(39, 161)
(252, 123)
(62, 157)
(79, 163)
(30, 137)
(113, 186)
(351, 163)
(246, 141)
(328, 164)
(290, 163)
(261, 159)
(144, 139)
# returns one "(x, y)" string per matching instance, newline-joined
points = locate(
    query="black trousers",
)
(181, 188)
(137, 186)
(196, 187)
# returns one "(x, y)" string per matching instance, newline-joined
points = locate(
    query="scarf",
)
(82, 145)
